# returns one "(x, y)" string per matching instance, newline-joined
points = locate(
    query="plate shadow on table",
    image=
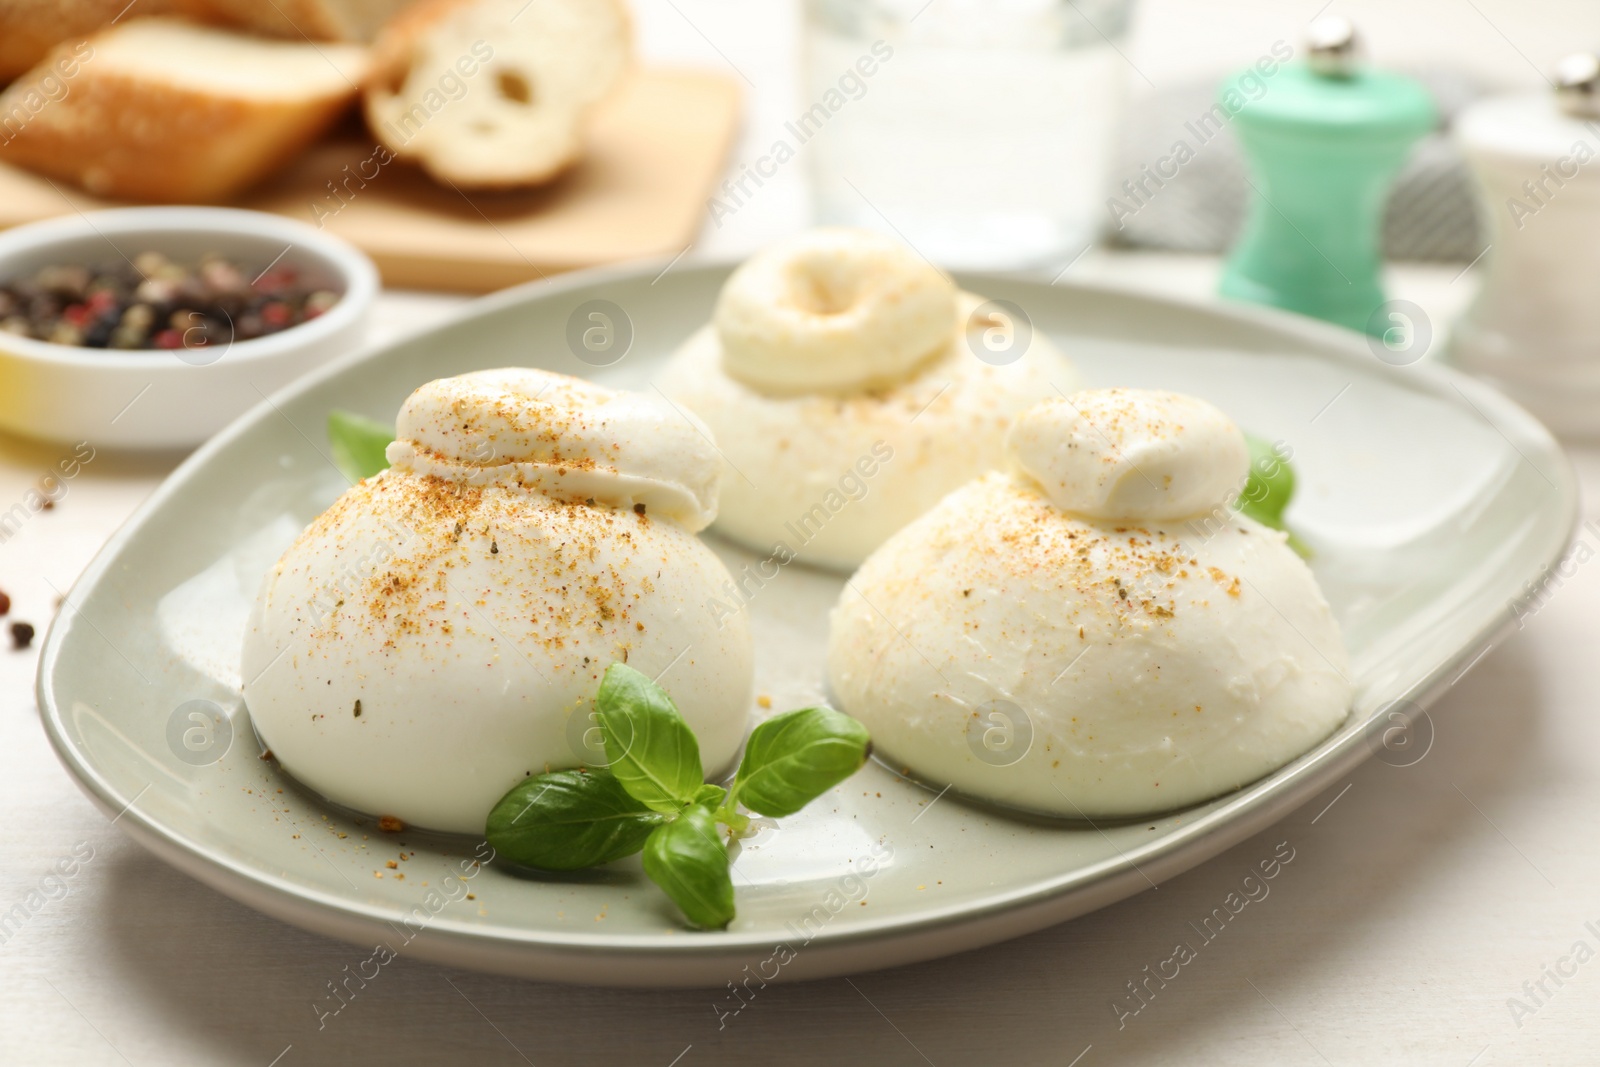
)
(245, 986)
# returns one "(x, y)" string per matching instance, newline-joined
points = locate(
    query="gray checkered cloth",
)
(1432, 212)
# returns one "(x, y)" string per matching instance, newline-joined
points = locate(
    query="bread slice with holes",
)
(168, 110)
(495, 93)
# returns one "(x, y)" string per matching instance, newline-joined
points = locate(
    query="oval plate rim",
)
(642, 960)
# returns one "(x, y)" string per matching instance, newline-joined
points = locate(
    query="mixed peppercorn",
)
(154, 302)
(21, 632)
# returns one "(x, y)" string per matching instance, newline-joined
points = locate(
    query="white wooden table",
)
(1419, 902)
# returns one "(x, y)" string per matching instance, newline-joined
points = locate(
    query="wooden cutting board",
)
(656, 149)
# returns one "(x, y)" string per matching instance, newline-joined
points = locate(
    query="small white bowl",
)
(171, 398)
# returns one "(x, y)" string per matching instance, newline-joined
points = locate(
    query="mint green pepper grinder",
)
(1324, 140)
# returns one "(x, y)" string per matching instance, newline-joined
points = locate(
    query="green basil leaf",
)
(1268, 490)
(793, 758)
(568, 820)
(1270, 485)
(711, 796)
(688, 859)
(358, 444)
(649, 747)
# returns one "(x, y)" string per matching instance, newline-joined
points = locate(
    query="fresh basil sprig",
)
(358, 444)
(1268, 489)
(653, 796)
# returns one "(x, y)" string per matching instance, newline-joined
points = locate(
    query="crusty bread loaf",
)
(168, 110)
(316, 20)
(495, 93)
(31, 28)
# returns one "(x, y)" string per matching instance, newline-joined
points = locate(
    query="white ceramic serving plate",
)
(171, 399)
(1434, 505)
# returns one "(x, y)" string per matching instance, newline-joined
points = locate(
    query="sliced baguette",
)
(316, 20)
(495, 93)
(31, 28)
(164, 109)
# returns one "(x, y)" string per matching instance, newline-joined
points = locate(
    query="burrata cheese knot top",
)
(850, 385)
(439, 633)
(1077, 636)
